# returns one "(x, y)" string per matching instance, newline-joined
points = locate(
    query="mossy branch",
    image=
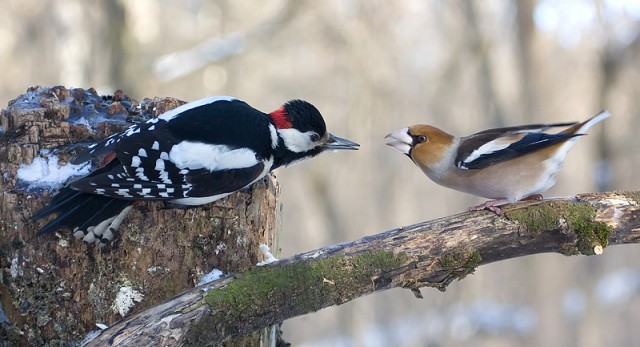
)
(429, 254)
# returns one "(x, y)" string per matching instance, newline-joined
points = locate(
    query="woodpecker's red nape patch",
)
(108, 158)
(281, 118)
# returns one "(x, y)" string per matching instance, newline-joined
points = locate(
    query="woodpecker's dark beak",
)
(335, 143)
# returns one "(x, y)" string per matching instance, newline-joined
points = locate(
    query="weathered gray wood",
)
(429, 254)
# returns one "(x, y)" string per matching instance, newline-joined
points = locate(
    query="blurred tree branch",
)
(429, 254)
(178, 64)
(479, 50)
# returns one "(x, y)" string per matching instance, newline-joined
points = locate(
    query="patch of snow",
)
(220, 248)
(313, 255)
(125, 300)
(269, 258)
(46, 173)
(16, 269)
(102, 326)
(85, 122)
(90, 336)
(210, 276)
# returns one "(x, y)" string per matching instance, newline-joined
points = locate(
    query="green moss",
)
(569, 250)
(458, 265)
(315, 283)
(536, 219)
(579, 217)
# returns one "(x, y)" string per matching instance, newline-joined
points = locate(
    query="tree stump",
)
(54, 288)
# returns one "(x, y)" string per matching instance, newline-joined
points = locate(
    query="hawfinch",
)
(505, 164)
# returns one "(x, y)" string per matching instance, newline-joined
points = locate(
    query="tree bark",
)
(429, 254)
(55, 289)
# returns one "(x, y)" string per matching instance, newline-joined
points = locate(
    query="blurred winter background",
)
(372, 67)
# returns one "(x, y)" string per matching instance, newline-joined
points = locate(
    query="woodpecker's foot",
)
(491, 205)
(103, 232)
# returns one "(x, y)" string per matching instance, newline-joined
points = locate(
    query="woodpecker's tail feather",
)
(93, 218)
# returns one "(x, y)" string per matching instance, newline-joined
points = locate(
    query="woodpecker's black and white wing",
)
(192, 155)
(108, 144)
(494, 146)
(78, 210)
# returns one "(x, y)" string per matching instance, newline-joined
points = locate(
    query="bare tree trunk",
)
(479, 51)
(526, 37)
(55, 289)
(429, 254)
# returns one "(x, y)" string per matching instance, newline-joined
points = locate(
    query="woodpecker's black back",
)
(192, 155)
(232, 123)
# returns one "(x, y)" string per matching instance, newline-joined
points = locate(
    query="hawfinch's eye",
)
(314, 137)
(421, 138)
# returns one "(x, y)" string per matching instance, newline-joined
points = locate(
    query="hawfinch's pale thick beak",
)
(403, 141)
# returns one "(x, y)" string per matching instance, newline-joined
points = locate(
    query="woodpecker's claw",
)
(337, 143)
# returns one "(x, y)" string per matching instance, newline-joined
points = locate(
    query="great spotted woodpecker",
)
(506, 164)
(192, 155)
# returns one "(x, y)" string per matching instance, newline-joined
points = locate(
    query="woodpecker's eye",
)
(421, 138)
(314, 137)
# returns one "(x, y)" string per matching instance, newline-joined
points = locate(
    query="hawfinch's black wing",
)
(493, 146)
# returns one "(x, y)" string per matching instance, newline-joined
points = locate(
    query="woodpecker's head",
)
(303, 134)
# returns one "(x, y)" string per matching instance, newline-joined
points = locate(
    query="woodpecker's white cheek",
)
(296, 141)
(197, 155)
(274, 136)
